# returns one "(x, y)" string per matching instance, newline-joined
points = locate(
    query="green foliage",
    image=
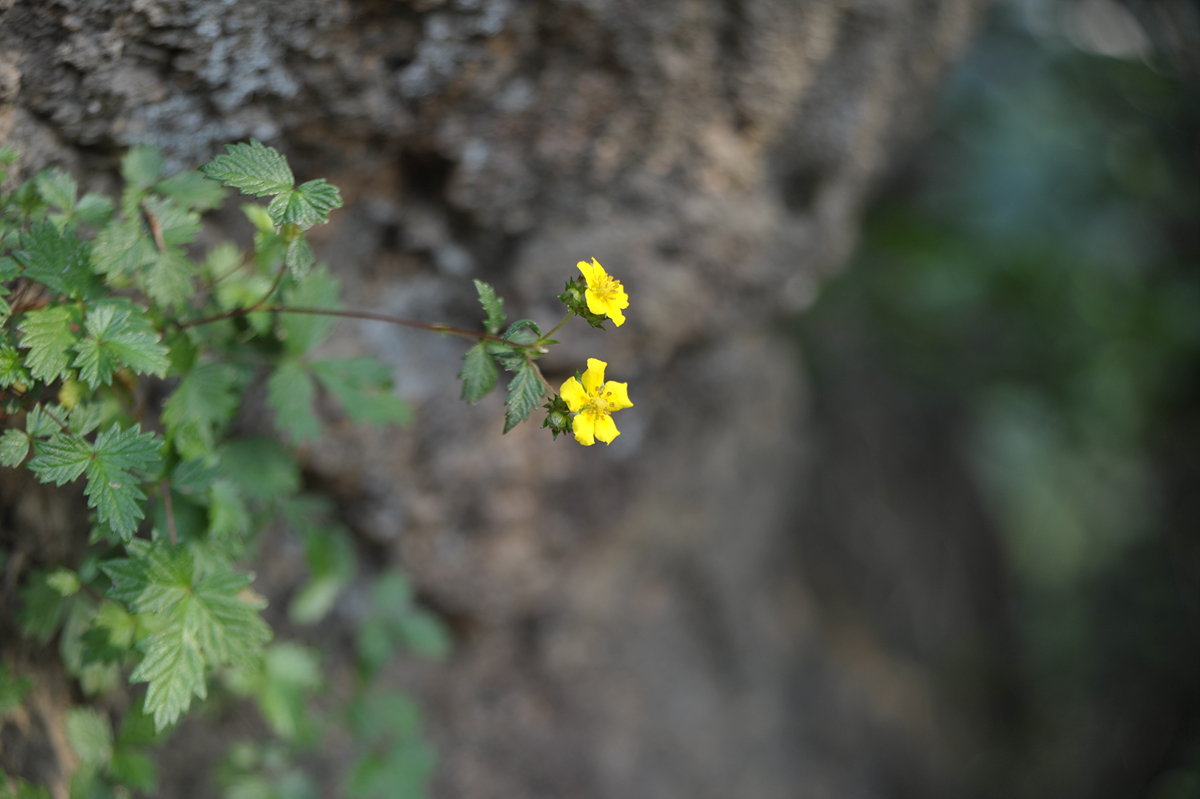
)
(12, 689)
(129, 369)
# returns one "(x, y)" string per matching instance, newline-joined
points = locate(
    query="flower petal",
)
(604, 428)
(616, 395)
(595, 303)
(584, 426)
(614, 313)
(593, 378)
(588, 273)
(573, 394)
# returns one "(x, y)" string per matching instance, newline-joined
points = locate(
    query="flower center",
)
(607, 287)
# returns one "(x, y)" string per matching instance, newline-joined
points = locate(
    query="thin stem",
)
(541, 376)
(373, 317)
(558, 326)
(169, 506)
(155, 227)
(56, 420)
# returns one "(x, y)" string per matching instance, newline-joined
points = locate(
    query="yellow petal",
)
(614, 313)
(598, 270)
(593, 378)
(616, 395)
(588, 273)
(604, 428)
(584, 425)
(573, 394)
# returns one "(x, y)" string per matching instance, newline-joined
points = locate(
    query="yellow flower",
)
(593, 402)
(605, 296)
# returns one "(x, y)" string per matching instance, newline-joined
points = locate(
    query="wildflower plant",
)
(125, 356)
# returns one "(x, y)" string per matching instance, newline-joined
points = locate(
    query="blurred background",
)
(1007, 417)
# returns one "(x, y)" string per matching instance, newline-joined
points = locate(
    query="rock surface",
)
(631, 620)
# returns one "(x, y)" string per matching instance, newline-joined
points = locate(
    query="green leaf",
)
(520, 324)
(85, 417)
(57, 188)
(122, 248)
(12, 689)
(193, 190)
(301, 331)
(174, 667)
(252, 168)
(227, 625)
(14, 446)
(94, 209)
(141, 166)
(12, 367)
(61, 459)
(202, 404)
(90, 735)
(176, 225)
(118, 334)
(133, 768)
(8, 269)
(425, 635)
(44, 609)
(58, 260)
(299, 256)
(508, 357)
(227, 513)
(48, 335)
(290, 393)
(64, 581)
(169, 277)
(309, 204)
(153, 579)
(193, 477)
(43, 421)
(260, 468)
(493, 306)
(478, 373)
(364, 387)
(112, 488)
(525, 392)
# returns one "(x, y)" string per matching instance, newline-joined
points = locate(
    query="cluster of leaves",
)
(105, 307)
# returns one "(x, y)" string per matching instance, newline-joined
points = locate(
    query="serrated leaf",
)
(118, 334)
(532, 331)
(478, 373)
(192, 189)
(304, 331)
(364, 387)
(493, 306)
(176, 225)
(57, 260)
(260, 467)
(525, 392)
(142, 166)
(122, 248)
(84, 418)
(57, 188)
(153, 579)
(203, 403)
(12, 367)
(299, 256)
(507, 357)
(169, 277)
(227, 625)
(61, 459)
(290, 393)
(8, 269)
(94, 209)
(64, 581)
(90, 735)
(14, 446)
(251, 168)
(227, 512)
(174, 667)
(44, 609)
(48, 336)
(307, 205)
(44, 421)
(112, 488)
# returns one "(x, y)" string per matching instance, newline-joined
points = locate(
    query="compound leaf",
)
(118, 334)
(174, 667)
(153, 579)
(61, 459)
(252, 168)
(307, 205)
(112, 488)
(122, 248)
